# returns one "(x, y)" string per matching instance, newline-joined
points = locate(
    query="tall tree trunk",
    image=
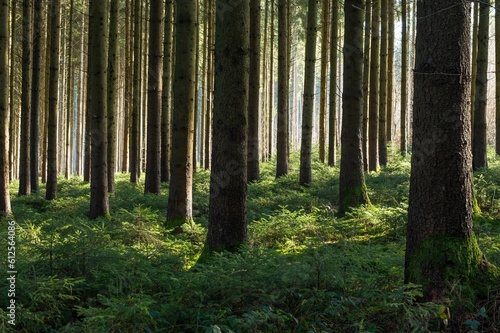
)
(98, 61)
(210, 78)
(135, 149)
(55, 28)
(325, 41)
(166, 104)
(24, 162)
(308, 106)
(253, 92)
(441, 248)
(479, 158)
(282, 136)
(270, 96)
(69, 90)
(332, 112)
(404, 77)
(352, 188)
(5, 207)
(390, 71)
(12, 102)
(264, 106)
(153, 172)
(111, 98)
(179, 209)
(497, 76)
(228, 181)
(127, 84)
(382, 139)
(373, 114)
(366, 79)
(35, 95)
(475, 39)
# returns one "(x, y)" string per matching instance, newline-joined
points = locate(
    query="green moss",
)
(441, 263)
(175, 225)
(355, 197)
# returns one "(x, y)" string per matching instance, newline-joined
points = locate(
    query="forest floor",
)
(303, 270)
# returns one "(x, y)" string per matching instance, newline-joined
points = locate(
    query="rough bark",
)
(228, 183)
(352, 188)
(390, 71)
(497, 76)
(366, 79)
(153, 172)
(308, 106)
(325, 42)
(441, 248)
(332, 112)
(382, 111)
(97, 90)
(404, 77)
(179, 208)
(112, 88)
(135, 146)
(5, 207)
(373, 114)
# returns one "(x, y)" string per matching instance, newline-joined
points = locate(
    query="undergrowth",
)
(303, 269)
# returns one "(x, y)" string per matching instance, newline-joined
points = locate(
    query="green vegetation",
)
(303, 270)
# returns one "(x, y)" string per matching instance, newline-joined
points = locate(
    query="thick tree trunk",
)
(5, 207)
(441, 247)
(111, 98)
(282, 136)
(352, 188)
(228, 181)
(153, 171)
(24, 161)
(179, 208)
(135, 147)
(98, 61)
(55, 28)
(308, 106)
(254, 90)
(479, 158)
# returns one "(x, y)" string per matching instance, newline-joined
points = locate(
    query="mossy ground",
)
(304, 269)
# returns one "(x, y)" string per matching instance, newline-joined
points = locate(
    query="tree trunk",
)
(166, 104)
(12, 102)
(127, 84)
(228, 181)
(404, 77)
(35, 95)
(308, 106)
(135, 149)
(179, 208)
(479, 158)
(69, 98)
(332, 112)
(441, 247)
(153, 172)
(352, 188)
(373, 114)
(55, 28)
(382, 140)
(98, 61)
(210, 84)
(390, 71)
(325, 41)
(111, 98)
(253, 92)
(5, 206)
(24, 162)
(270, 96)
(282, 136)
(366, 79)
(497, 76)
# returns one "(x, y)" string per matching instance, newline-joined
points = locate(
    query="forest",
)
(239, 166)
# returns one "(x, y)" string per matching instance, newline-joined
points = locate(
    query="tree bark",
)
(97, 90)
(404, 77)
(325, 41)
(332, 112)
(352, 188)
(111, 98)
(390, 71)
(5, 207)
(153, 171)
(179, 208)
(373, 114)
(308, 106)
(228, 181)
(497, 76)
(135, 147)
(366, 79)
(441, 247)
(382, 130)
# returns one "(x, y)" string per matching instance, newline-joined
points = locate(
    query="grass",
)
(303, 269)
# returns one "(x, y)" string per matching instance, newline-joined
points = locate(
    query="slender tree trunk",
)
(390, 71)
(264, 106)
(382, 129)
(282, 136)
(366, 80)
(253, 92)
(35, 95)
(153, 172)
(352, 188)
(24, 162)
(135, 150)
(497, 76)
(325, 41)
(12, 102)
(55, 28)
(111, 98)
(166, 104)
(210, 89)
(98, 61)
(228, 181)
(69, 90)
(441, 251)
(332, 112)
(404, 77)
(308, 106)
(179, 209)
(271, 85)
(479, 158)
(475, 39)
(5, 207)
(127, 84)
(373, 114)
